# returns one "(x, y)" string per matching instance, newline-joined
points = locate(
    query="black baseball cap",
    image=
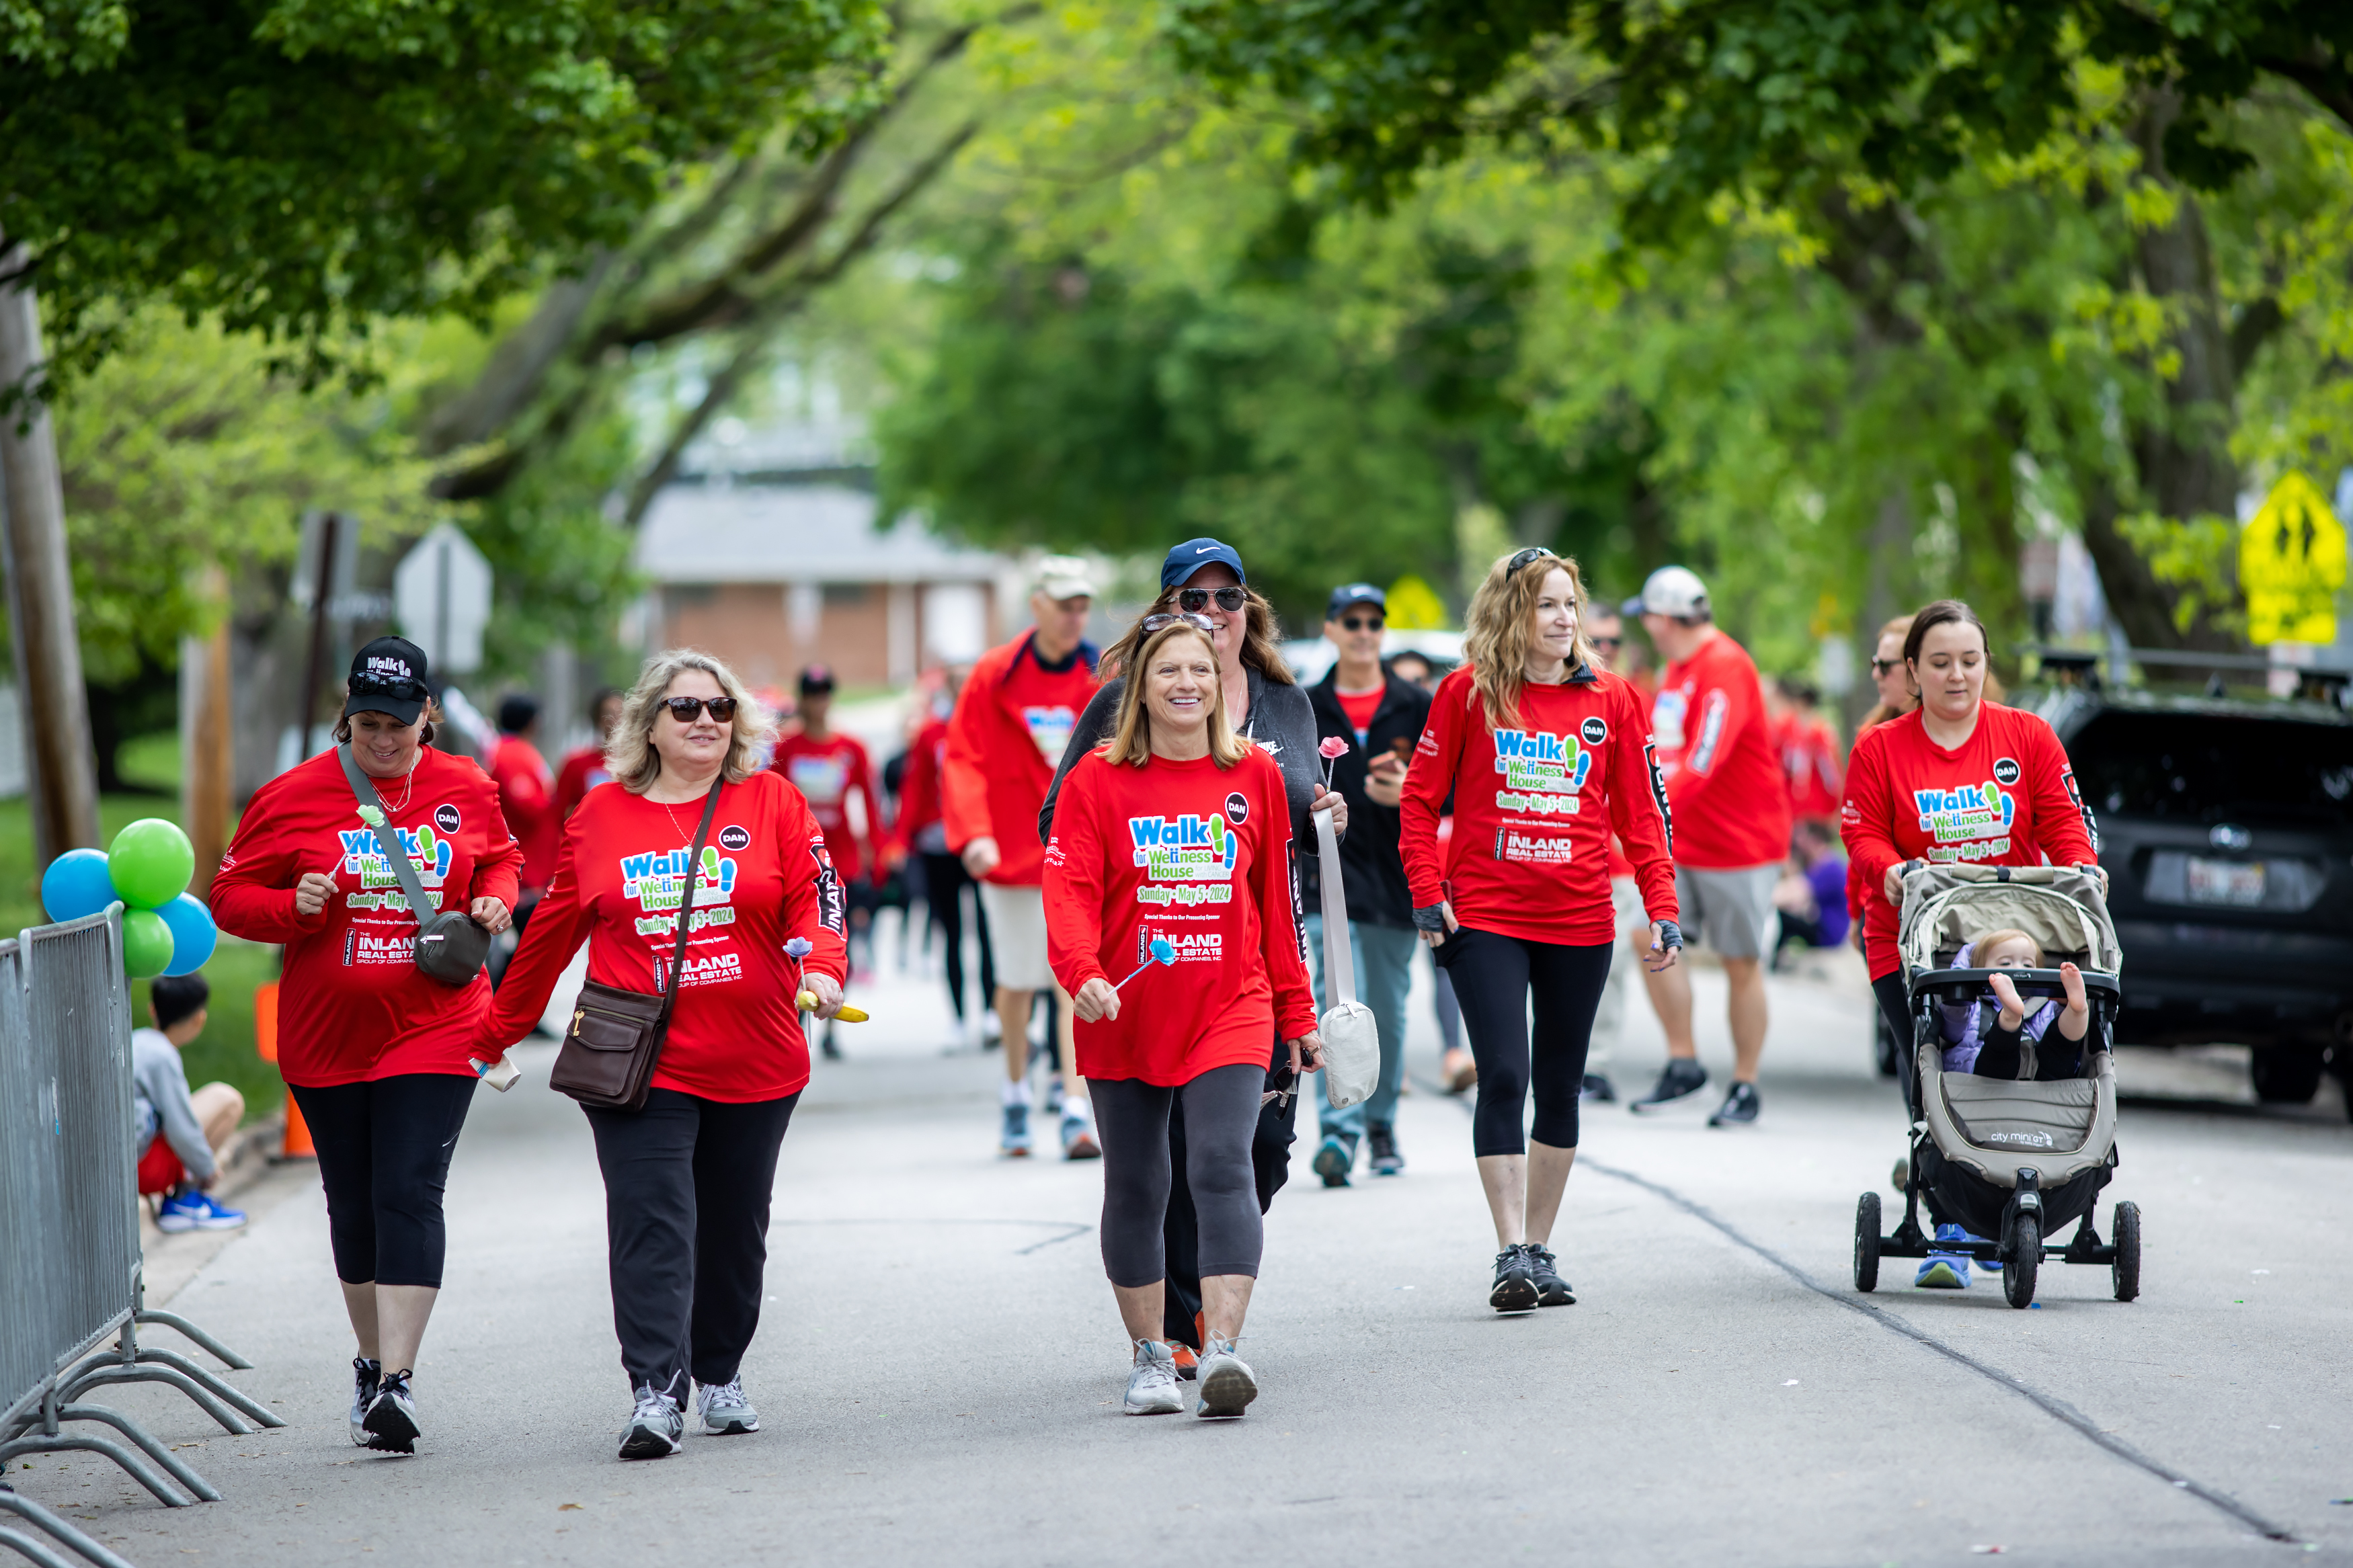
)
(1348, 594)
(817, 680)
(1194, 553)
(387, 677)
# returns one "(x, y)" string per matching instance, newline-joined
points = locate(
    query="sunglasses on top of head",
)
(1533, 552)
(1198, 623)
(1230, 599)
(685, 710)
(373, 685)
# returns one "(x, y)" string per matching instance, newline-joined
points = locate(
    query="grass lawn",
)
(224, 1050)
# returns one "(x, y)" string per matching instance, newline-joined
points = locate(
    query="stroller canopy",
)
(2060, 907)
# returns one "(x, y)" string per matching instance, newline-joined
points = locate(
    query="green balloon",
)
(151, 863)
(146, 944)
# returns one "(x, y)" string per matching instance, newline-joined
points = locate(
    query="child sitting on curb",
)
(180, 1135)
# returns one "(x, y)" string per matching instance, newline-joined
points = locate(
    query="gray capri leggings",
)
(1221, 1110)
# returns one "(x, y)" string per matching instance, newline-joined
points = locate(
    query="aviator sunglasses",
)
(1198, 623)
(685, 708)
(1229, 599)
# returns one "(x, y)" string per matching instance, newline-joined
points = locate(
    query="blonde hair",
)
(629, 755)
(1495, 639)
(1995, 939)
(1131, 735)
(1262, 639)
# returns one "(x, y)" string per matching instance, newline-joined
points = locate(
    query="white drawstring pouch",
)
(1352, 1043)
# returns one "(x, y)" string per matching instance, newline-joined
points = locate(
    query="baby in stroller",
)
(1986, 1036)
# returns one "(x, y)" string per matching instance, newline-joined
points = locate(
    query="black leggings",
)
(687, 1185)
(1221, 1116)
(1494, 977)
(383, 1159)
(944, 880)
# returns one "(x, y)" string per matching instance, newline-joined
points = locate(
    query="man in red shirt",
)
(527, 800)
(1730, 802)
(1011, 723)
(584, 770)
(829, 768)
(1810, 755)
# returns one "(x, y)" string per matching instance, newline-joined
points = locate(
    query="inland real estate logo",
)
(1541, 771)
(361, 947)
(1191, 947)
(1530, 849)
(1186, 848)
(364, 855)
(701, 969)
(1972, 811)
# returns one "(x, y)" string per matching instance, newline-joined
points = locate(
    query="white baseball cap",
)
(1065, 577)
(1669, 591)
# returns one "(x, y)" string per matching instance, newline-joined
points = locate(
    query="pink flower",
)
(1332, 749)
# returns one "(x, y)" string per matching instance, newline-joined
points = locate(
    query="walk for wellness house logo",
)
(1972, 823)
(1541, 771)
(658, 885)
(1184, 849)
(364, 858)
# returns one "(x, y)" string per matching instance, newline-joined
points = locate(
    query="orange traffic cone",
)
(298, 1145)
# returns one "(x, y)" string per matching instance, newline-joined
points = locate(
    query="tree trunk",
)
(60, 767)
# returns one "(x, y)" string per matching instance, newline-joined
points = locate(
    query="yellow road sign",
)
(2290, 564)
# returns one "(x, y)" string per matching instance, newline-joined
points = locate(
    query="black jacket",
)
(1370, 862)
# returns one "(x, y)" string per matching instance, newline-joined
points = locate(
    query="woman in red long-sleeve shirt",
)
(1958, 779)
(1170, 919)
(688, 1178)
(374, 1050)
(1546, 754)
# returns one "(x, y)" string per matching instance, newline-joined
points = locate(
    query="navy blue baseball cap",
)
(1194, 553)
(1348, 594)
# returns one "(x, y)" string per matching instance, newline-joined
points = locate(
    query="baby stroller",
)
(2012, 1160)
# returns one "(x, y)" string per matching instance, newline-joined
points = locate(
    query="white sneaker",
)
(725, 1409)
(1152, 1386)
(1078, 1140)
(655, 1428)
(1227, 1385)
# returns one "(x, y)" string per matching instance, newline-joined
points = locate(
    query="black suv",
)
(2226, 826)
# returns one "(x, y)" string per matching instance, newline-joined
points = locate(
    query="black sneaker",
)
(1598, 1089)
(366, 1377)
(1332, 1162)
(1515, 1289)
(1739, 1108)
(1383, 1156)
(1552, 1291)
(1683, 1079)
(390, 1419)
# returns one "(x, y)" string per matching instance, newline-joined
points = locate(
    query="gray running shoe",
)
(366, 1376)
(1152, 1386)
(725, 1410)
(655, 1428)
(1681, 1078)
(1014, 1141)
(390, 1419)
(1227, 1385)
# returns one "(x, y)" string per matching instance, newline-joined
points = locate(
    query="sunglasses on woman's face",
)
(1198, 623)
(1882, 667)
(685, 708)
(1607, 644)
(1229, 599)
(1364, 624)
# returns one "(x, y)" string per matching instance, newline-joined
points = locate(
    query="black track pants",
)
(1494, 978)
(944, 881)
(687, 1183)
(383, 1159)
(1221, 1114)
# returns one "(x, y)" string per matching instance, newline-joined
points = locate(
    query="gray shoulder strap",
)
(371, 812)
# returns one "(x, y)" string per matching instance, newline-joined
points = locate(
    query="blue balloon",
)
(76, 884)
(193, 935)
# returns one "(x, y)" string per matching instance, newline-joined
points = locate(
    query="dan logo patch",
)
(1237, 809)
(2005, 770)
(446, 818)
(1595, 731)
(734, 838)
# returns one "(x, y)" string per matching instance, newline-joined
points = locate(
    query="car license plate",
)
(2239, 884)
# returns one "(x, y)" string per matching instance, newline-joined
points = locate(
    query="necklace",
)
(407, 785)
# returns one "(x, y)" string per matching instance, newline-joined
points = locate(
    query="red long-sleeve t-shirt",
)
(1534, 809)
(827, 772)
(919, 788)
(1199, 856)
(1809, 758)
(583, 770)
(527, 797)
(1730, 798)
(1012, 720)
(2005, 796)
(353, 1007)
(766, 877)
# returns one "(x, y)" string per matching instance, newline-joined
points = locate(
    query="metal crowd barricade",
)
(70, 1257)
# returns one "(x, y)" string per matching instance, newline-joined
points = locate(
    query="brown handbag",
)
(616, 1039)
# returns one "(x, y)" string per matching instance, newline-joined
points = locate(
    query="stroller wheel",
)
(1866, 1244)
(2126, 1269)
(2017, 1271)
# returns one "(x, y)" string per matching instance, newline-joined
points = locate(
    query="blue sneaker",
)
(1332, 1162)
(192, 1210)
(1944, 1270)
(1015, 1141)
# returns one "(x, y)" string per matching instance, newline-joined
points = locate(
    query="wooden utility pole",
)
(60, 767)
(207, 737)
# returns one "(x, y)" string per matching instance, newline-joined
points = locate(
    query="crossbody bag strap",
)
(686, 905)
(1339, 958)
(386, 837)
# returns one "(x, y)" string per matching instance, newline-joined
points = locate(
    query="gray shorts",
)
(1732, 912)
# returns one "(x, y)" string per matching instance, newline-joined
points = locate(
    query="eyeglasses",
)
(1606, 645)
(686, 709)
(1198, 623)
(378, 685)
(1885, 666)
(1533, 552)
(1229, 599)
(1364, 623)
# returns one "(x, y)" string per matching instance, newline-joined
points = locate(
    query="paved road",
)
(940, 1365)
